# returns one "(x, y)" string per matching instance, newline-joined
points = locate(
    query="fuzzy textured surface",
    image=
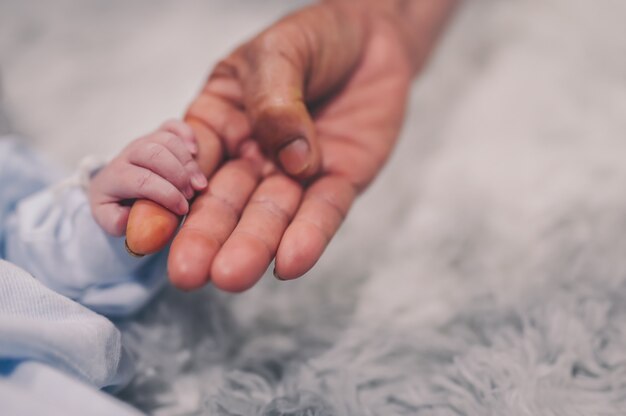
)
(482, 274)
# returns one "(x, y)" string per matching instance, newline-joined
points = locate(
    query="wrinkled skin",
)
(331, 80)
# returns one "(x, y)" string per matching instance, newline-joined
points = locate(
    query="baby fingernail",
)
(183, 206)
(192, 147)
(199, 181)
(294, 157)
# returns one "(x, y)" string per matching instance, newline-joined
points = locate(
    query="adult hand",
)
(306, 114)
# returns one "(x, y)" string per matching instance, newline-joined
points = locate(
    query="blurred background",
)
(90, 76)
(482, 273)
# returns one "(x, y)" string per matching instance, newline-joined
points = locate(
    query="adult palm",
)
(292, 126)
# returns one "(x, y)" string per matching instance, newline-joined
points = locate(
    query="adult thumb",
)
(302, 59)
(273, 85)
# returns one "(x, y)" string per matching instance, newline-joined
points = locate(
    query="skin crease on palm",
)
(331, 73)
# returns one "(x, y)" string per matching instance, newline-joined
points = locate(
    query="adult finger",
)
(252, 246)
(324, 206)
(213, 217)
(302, 58)
(272, 76)
(210, 156)
(218, 109)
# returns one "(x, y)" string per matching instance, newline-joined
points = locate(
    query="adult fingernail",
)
(199, 181)
(276, 275)
(131, 252)
(294, 157)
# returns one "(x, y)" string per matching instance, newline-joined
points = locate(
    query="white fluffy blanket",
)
(483, 273)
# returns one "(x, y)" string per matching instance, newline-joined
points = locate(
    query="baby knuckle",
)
(144, 180)
(192, 166)
(173, 140)
(132, 150)
(153, 151)
(182, 178)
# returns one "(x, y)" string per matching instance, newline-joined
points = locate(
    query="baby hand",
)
(159, 167)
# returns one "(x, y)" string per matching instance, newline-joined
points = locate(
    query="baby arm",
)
(50, 233)
(54, 236)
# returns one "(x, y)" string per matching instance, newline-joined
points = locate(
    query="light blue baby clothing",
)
(60, 275)
(55, 352)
